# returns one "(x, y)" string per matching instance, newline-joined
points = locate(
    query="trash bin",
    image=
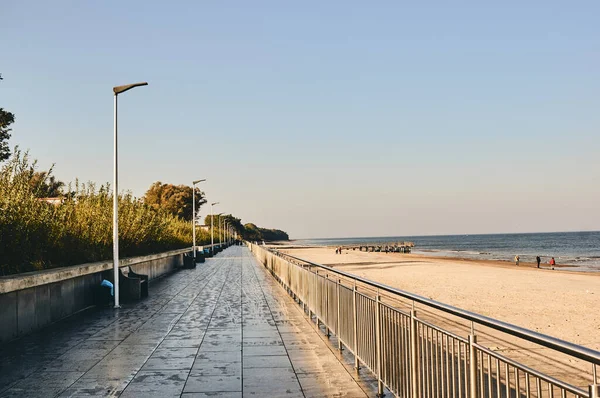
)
(188, 261)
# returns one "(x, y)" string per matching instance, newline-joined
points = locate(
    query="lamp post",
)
(220, 229)
(212, 228)
(194, 215)
(116, 91)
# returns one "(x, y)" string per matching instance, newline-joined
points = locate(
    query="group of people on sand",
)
(338, 250)
(538, 260)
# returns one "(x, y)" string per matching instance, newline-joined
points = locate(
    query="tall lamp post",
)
(220, 230)
(117, 90)
(219, 226)
(212, 228)
(194, 215)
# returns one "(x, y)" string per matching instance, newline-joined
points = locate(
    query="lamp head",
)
(121, 89)
(197, 181)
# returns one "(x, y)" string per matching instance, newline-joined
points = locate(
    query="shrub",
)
(37, 235)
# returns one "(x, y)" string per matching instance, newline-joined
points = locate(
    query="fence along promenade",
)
(414, 357)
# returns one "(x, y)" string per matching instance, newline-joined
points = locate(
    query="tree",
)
(6, 119)
(248, 231)
(174, 199)
(236, 223)
(251, 232)
(45, 185)
(273, 234)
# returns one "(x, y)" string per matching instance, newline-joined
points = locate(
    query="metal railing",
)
(413, 356)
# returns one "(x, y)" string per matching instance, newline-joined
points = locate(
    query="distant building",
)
(53, 201)
(205, 228)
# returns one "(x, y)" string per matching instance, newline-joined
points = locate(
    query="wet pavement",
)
(225, 329)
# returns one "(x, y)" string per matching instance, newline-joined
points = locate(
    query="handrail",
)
(563, 346)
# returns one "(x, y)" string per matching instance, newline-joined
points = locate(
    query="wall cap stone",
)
(27, 280)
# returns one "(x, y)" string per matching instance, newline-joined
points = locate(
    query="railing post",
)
(327, 304)
(311, 291)
(318, 297)
(473, 364)
(594, 388)
(337, 328)
(355, 322)
(378, 345)
(414, 359)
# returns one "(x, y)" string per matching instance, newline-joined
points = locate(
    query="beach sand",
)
(559, 303)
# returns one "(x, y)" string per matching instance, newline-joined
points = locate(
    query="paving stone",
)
(42, 384)
(273, 361)
(97, 387)
(262, 341)
(210, 383)
(264, 350)
(213, 368)
(180, 343)
(168, 364)
(212, 395)
(220, 356)
(163, 383)
(337, 384)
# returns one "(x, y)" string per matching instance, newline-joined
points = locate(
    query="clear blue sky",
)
(335, 118)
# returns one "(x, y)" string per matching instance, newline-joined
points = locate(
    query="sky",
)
(324, 119)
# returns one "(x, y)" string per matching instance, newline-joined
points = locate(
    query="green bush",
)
(37, 235)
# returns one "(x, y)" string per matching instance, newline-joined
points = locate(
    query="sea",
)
(580, 249)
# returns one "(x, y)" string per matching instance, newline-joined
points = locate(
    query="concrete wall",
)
(32, 300)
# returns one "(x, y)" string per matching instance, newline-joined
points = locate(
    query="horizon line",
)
(459, 234)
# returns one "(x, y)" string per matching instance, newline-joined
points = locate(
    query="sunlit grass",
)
(36, 235)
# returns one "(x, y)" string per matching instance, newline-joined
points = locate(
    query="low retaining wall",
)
(32, 300)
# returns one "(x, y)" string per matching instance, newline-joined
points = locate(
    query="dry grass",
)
(36, 235)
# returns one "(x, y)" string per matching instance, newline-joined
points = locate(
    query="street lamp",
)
(194, 215)
(219, 226)
(194, 212)
(220, 230)
(117, 90)
(212, 228)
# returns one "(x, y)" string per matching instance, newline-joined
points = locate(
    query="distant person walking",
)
(538, 260)
(552, 262)
(517, 260)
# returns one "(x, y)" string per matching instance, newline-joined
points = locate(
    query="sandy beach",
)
(558, 303)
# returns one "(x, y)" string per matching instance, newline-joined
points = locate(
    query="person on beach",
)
(517, 260)
(552, 262)
(538, 260)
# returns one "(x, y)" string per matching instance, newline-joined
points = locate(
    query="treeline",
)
(248, 231)
(252, 232)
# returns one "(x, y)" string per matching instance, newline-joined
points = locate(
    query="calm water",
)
(576, 248)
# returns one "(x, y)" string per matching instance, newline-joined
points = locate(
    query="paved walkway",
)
(225, 329)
